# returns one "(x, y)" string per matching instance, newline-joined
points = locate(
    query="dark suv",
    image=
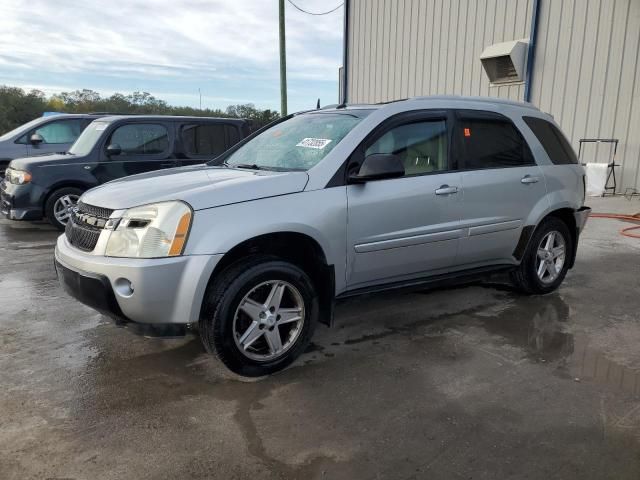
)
(41, 136)
(109, 148)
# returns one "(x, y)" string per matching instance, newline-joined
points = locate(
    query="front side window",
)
(141, 139)
(421, 146)
(298, 143)
(62, 131)
(208, 139)
(552, 140)
(491, 143)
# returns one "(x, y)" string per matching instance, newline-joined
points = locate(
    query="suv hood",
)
(201, 186)
(41, 160)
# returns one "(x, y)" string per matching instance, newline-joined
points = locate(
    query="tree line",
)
(18, 106)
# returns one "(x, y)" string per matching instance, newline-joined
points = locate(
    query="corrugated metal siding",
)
(404, 48)
(587, 75)
(586, 70)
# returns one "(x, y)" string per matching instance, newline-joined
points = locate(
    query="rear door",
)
(144, 147)
(408, 227)
(58, 136)
(501, 182)
(203, 141)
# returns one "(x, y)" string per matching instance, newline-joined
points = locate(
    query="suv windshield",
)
(296, 144)
(88, 138)
(21, 129)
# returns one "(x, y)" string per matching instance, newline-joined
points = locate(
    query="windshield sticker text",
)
(317, 143)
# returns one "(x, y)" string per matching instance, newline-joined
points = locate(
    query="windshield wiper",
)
(249, 166)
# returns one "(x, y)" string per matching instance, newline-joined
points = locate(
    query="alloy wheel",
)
(63, 206)
(268, 320)
(551, 256)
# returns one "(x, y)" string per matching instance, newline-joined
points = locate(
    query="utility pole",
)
(283, 64)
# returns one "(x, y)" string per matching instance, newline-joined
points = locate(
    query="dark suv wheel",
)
(546, 261)
(259, 315)
(57, 208)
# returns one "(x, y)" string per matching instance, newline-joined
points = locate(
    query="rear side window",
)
(490, 142)
(552, 140)
(141, 139)
(209, 139)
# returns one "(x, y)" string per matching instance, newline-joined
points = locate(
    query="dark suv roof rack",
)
(111, 113)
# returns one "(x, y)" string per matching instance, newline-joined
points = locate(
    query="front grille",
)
(85, 224)
(99, 212)
(82, 237)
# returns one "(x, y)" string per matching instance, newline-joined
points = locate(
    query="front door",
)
(406, 227)
(144, 147)
(502, 186)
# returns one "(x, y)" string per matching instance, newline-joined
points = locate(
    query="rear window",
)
(491, 143)
(209, 139)
(552, 140)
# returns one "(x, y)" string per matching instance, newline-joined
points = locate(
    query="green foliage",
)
(18, 107)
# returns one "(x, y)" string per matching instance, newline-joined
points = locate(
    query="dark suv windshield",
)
(296, 144)
(88, 138)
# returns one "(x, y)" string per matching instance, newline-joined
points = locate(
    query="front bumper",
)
(20, 202)
(581, 215)
(163, 290)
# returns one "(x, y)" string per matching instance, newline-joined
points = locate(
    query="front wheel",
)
(259, 315)
(58, 206)
(546, 261)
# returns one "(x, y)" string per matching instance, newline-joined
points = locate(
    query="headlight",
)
(151, 231)
(17, 177)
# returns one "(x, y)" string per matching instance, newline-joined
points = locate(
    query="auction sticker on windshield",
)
(317, 143)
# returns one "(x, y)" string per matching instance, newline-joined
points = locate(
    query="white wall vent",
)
(505, 62)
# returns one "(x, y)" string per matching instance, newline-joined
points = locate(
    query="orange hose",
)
(627, 218)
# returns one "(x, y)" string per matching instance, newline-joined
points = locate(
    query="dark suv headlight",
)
(17, 177)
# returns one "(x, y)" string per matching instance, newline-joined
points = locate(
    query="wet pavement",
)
(474, 382)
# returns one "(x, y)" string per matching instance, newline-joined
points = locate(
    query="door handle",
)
(446, 190)
(529, 179)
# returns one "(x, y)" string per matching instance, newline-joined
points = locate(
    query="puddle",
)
(541, 326)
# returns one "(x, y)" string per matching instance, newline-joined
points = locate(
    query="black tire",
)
(223, 298)
(525, 278)
(49, 205)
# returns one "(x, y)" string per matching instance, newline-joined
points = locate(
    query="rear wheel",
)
(546, 261)
(259, 315)
(58, 206)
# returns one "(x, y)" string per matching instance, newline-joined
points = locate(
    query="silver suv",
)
(255, 246)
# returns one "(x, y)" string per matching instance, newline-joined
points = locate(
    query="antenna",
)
(318, 105)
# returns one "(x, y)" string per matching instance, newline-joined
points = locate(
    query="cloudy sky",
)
(170, 48)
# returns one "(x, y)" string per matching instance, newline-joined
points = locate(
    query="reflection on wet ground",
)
(473, 382)
(542, 330)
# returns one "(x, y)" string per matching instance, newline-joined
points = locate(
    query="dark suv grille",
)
(85, 224)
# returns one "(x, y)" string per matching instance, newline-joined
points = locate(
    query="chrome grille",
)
(85, 224)
(99, 212)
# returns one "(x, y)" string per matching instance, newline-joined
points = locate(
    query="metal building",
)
(581, 61)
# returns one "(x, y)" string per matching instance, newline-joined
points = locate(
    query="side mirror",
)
(113, 150)
(378, 167)
(36, 139)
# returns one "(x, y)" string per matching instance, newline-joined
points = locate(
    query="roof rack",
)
(111, 113)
